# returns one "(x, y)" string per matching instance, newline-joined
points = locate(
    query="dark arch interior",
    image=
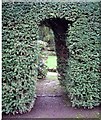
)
(58, 25)
(60, 29)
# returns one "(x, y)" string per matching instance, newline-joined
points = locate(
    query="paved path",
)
(52, 103)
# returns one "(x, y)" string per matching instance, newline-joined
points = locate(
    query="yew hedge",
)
(20, 53)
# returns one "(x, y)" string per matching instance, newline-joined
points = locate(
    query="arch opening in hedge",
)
(59, 27)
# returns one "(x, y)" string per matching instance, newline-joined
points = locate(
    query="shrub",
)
(43, 54)
(42, 70)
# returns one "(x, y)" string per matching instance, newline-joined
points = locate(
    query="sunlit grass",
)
(51, 62)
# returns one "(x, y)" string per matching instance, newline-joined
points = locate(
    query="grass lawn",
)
(51, 62)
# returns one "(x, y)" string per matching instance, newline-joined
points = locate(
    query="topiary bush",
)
(79, 72)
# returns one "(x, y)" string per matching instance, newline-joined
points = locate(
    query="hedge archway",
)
(80, 74)
(59, 27)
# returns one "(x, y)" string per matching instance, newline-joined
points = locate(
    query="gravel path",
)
(52, 103)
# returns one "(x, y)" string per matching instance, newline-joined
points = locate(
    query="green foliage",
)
(19, 59)
(20, 53)
(42, 57)
(46, 34)
(42, 70)
(83, 77)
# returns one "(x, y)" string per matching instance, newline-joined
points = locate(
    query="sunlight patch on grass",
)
(51, 62)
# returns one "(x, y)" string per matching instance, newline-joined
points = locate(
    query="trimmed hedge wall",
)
(19, 59)
(83, 76)
(20, 53)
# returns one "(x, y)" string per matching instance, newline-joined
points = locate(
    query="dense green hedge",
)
(20, 30)
(83, 76)
(19, 59)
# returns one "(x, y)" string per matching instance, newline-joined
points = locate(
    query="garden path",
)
(51, 102)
